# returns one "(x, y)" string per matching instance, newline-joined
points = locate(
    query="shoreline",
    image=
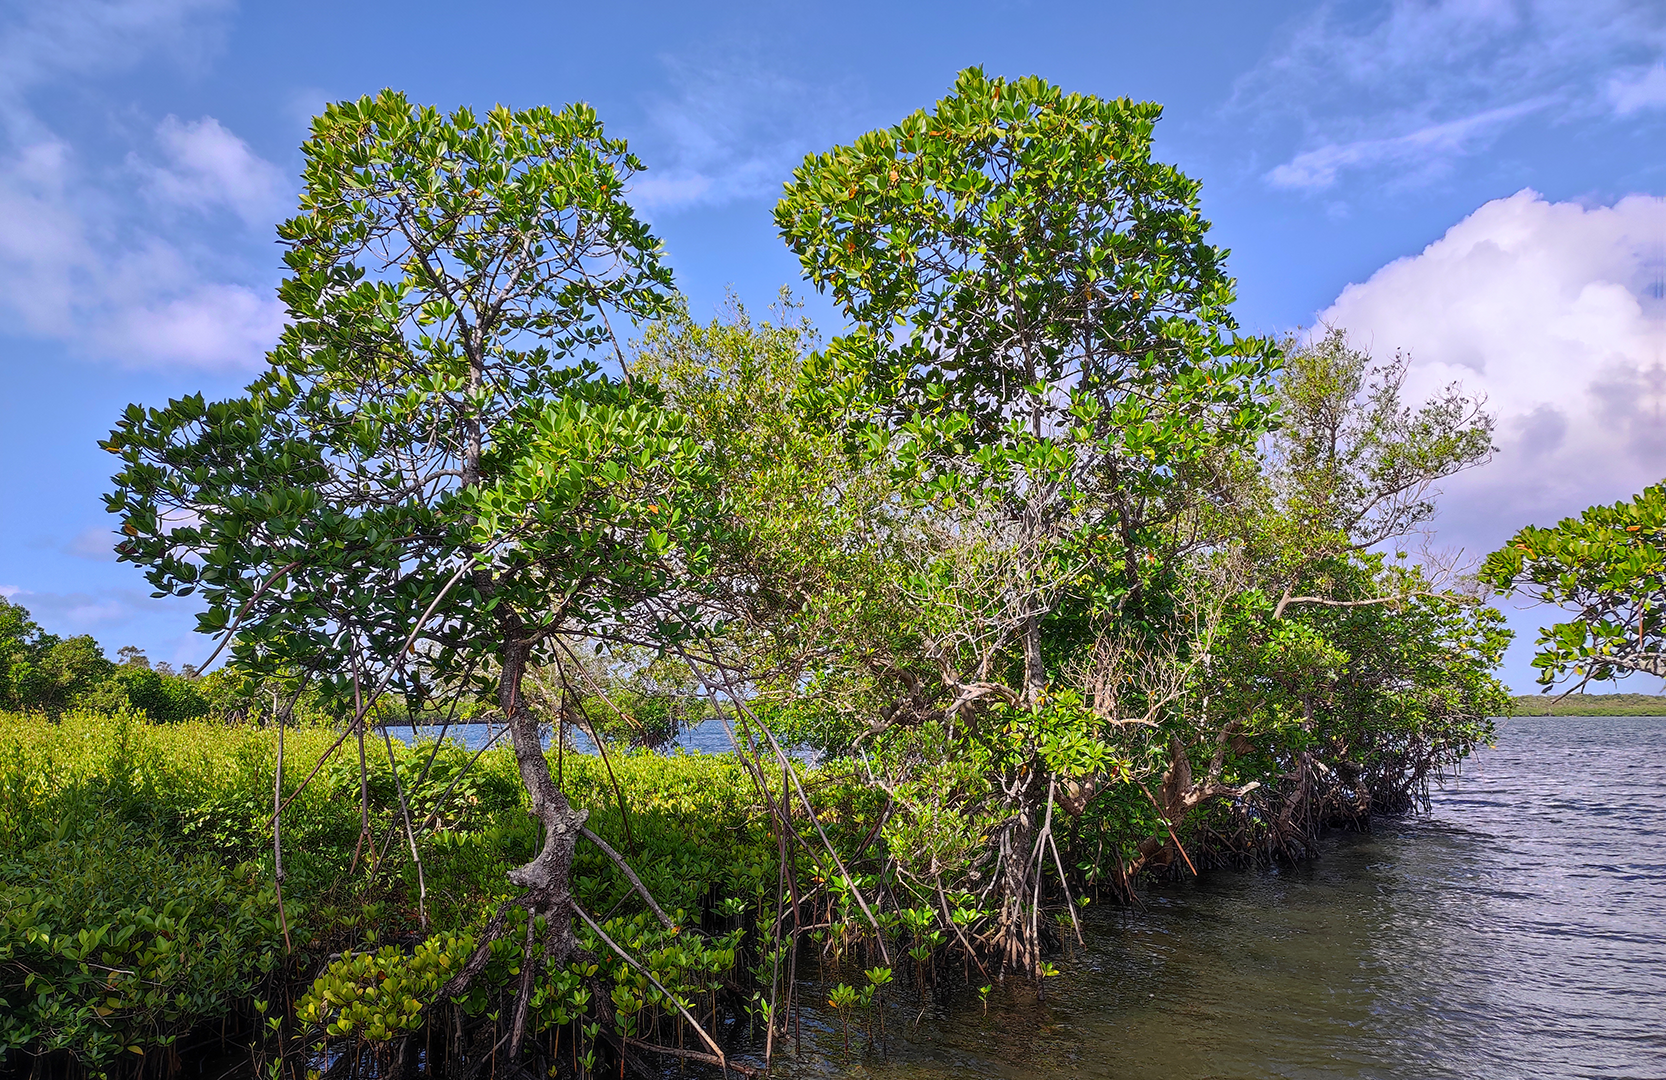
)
(1589, 705)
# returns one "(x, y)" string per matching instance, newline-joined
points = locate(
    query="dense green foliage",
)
(429, 409)
(41, 672)
(113, 944)
(1122, 569)
(136, 901)
(434, 487)
(1333, 681)
(1068, 580)
(1044, 363)
(44, 674)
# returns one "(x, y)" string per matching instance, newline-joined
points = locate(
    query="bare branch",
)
(625, 868)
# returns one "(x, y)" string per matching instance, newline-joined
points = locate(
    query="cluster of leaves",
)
(1092, 547)
(1278, 672)
(1607, 568)
(381, 994)
(112, 944)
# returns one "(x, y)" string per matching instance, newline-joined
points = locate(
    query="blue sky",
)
(1477, 181)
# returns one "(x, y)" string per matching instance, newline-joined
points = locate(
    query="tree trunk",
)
(548, 877)
(1019, 936)
(1035, 672)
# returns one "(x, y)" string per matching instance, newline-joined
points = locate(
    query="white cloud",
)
(1556, 313)
(80, 264)
(209, 326)
(209, 167)
(1396, 84)
(40, 42)
(96, 543)
(1637, 90)
(653, 192)
(9, 591)
(45, 240)
(84, 257)
(84, 612)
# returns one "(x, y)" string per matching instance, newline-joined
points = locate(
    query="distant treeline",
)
(42, 674)
(1591, 705)
(46, 675)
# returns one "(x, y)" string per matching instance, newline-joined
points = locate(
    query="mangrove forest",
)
(1038, 583)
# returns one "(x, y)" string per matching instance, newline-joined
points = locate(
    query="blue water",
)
(708, 738)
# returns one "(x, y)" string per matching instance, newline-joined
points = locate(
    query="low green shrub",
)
(126, 844)
(112, 944)
(378, 995)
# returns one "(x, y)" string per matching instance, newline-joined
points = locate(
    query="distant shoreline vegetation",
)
(1590, 705)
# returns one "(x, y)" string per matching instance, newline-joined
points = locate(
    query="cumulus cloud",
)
(1556, 313)
(1423, 82)
(209, 326)
(77, 263)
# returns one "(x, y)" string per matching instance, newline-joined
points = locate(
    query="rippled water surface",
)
(1517, 931)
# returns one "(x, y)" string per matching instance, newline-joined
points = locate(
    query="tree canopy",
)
(1071, 577)
(41, 672)
(434, 485)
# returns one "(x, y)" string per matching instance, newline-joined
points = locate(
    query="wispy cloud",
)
(43, 42)
(82, 612)
(732, 129)
(94, 543)
(1413, 84)
(1418, 152)
(206, 168)
(1637, 90)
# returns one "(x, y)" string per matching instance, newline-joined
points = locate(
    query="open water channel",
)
(1519, 930)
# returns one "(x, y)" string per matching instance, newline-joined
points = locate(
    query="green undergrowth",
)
(137, 903)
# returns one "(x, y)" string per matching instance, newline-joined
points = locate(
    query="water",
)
(706, 738)
(1517, 931)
